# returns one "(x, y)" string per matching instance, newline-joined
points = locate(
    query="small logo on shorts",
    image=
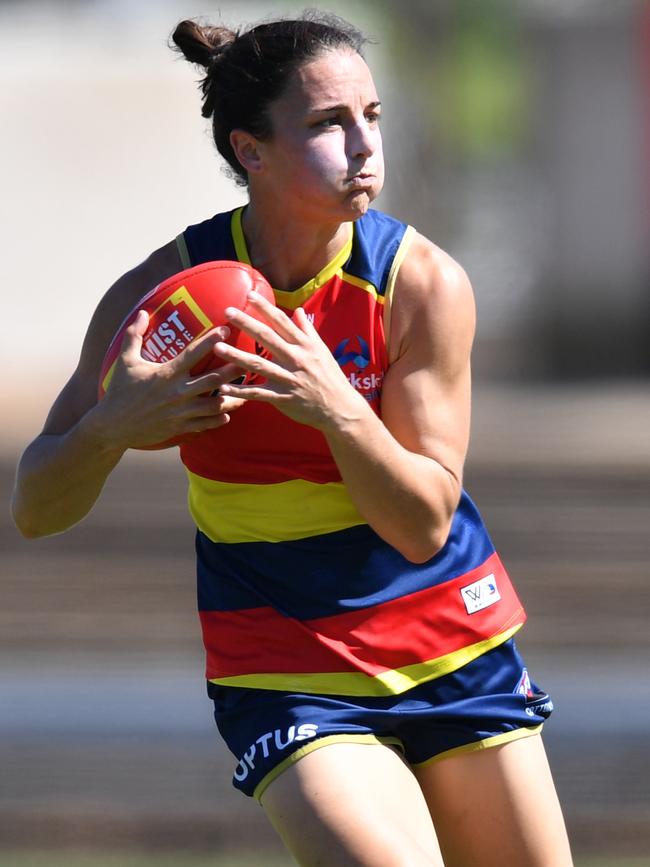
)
(524, 686)
(272, 742)
(481, 594)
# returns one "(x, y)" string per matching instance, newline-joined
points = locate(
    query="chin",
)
(359, 203)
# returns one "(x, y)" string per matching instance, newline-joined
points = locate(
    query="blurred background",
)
(517, 136)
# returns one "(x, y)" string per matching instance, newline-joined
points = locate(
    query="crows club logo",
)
(360, 359)
(357, 353)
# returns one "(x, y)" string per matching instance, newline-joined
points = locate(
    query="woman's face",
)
(325, 159)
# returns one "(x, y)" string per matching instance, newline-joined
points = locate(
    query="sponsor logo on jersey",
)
(358, 353)
(271, 742)
(360, 358)
(480, 594)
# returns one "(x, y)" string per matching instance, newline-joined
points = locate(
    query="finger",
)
(197, 350)
(230, 404)
(212, 381)
(282, 323)
(203, 407)
(303, 322)
(204, 423)
(253, 363)
(274, 341)
(216, 404)
(253, 392)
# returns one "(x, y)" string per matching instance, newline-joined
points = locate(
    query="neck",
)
(290, 252)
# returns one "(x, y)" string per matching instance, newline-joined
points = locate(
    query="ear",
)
(246, 150)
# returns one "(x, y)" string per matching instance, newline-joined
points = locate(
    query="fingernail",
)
(253, 295)
(230, 311)
(224, 331)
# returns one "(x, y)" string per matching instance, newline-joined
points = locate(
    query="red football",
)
(184, 307)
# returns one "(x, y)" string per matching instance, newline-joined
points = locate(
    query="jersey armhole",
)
(402, 250)
(183, 252)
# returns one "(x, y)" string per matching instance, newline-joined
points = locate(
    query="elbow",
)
(27, 526)
(32, 531)
(28, 532)
(37, 525)
(429, 535)
(424, 547)
(418, 554)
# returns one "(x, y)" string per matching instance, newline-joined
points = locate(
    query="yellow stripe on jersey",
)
(362, 284)
(296, 509)
(293, 299)
(402, 250)
(183, 252)
(238, 238)
(392, 682)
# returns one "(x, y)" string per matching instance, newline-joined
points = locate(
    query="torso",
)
(296, 591)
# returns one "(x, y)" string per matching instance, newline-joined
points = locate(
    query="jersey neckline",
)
(290, 300)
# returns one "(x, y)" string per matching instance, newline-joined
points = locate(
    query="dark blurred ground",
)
(106, 736)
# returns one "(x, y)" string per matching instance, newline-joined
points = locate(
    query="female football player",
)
(358, 623)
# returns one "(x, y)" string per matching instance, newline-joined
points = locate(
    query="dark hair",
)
(247, 70)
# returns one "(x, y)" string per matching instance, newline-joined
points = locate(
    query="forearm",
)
(407, 498)
(59, 478)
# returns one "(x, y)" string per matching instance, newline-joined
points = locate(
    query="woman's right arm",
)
(63, 471)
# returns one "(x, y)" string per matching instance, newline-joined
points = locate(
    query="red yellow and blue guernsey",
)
(296, 592)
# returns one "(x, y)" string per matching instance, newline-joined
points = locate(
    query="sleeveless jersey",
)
(295, 590)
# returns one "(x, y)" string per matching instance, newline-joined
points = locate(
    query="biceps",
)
(77, 397)
(428, 413)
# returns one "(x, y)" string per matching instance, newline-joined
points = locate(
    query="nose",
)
(362, 139)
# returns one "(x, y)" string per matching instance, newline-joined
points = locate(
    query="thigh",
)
(352, 804)
(496, 806)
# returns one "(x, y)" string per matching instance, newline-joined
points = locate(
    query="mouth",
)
(361, 180)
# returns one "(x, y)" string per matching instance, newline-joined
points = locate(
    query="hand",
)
(148, 403)
(303, 380)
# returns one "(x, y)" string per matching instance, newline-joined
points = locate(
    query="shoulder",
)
(376, 242)
(131, 286)
(80, 392)
(122, 297)
(433, 300)
(430, 277)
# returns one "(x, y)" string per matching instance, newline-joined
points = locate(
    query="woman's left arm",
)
(404, 471)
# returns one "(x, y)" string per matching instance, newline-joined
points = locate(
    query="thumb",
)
(132, 341)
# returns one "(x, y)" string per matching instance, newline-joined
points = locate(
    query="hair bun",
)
(200, 44)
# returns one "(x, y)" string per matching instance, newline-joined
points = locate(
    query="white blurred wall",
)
(103, 158)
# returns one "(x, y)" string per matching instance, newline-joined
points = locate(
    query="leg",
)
(353, 805)
(496, 807)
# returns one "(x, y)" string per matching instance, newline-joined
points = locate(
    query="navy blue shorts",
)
(487, 702)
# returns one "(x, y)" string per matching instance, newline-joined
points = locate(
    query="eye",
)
(373, 117)
(328, 122)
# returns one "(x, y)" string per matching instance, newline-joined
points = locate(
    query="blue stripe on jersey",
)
(375, 247)
(348, 570)
(375, 244)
